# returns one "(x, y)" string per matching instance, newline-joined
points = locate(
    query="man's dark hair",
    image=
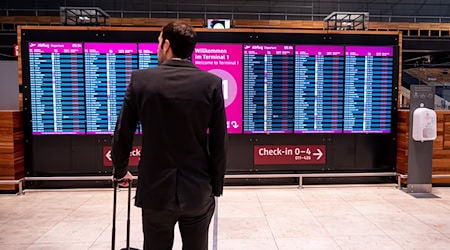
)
(182, 38)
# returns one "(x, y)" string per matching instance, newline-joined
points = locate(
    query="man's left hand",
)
(124, 182)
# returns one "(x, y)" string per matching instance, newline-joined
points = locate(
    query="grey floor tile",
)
(277, 209)
(240, 210)
(347, 225)
(73, 232)
(402, 224)
(60, 246)
(438, 221)
(420, 206)
(423, 241)
(247, 244)
(240, 195)
(380, 207)
(23, 231)
(14, 246)
(324, 208)
(244, 228)
(306, 243)
(319, 194)
(277, 195)
(288, 227)
(375, 242)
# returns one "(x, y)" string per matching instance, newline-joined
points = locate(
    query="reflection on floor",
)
(316, 217)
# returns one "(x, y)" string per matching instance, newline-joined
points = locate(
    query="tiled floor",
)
(316, 217)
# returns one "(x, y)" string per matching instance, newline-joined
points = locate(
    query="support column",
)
(420, 154)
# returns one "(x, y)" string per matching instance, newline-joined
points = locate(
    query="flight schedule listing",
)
(79, 88)
(148, 58)
(319, 89)
(57, 88)
(108, 68)
(368, 89)
(148, 55)
(268, 88)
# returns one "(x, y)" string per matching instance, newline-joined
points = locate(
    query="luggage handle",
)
(113, 240)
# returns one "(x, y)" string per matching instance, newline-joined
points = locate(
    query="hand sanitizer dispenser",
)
(424, 124)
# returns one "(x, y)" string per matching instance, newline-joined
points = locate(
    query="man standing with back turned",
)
(182, 165)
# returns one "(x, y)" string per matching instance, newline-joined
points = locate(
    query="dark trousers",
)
(159, 226)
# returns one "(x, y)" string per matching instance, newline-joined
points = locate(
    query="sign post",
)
(420, 153)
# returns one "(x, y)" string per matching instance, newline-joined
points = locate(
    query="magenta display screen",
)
(368, 89)
(148, 55)
(108, 68)
(225, 61)
(79, 88)
(319, 89)
(268, 88)
(148, 58)
(57, 88)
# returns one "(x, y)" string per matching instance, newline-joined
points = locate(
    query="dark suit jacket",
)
(181, 165)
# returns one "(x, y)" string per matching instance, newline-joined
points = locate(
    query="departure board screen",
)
(108, 68)
(79, 88)
(225, 61)
(319, 89)
(57, 88)
(148, 58)
(148, 55)
(368, 89)
(268, 88)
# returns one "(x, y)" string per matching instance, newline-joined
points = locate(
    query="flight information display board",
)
(225, 61)
(319, 89)
(57, 88)
(368, 89)
(148, 55)
(148, 58)
(78, 88)
(108, 68)
(268, 88)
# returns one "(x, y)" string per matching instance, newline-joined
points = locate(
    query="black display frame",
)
(75, 155)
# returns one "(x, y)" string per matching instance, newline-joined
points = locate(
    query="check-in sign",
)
(289, 154)
(135, 156)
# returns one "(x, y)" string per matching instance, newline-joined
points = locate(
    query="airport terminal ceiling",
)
(239, 9)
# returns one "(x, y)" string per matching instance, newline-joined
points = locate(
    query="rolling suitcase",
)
(113, 241)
